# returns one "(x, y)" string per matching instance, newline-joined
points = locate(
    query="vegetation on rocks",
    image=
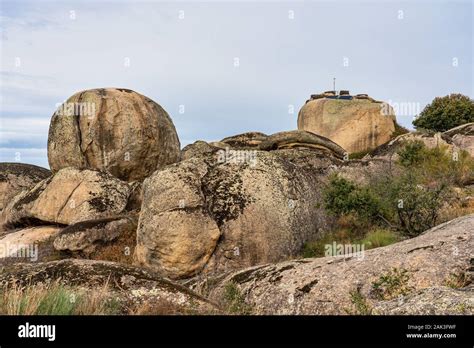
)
(446, 112)
(55, 299)
(408, 199)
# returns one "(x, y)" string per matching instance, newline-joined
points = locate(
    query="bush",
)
(412, 153)
(418, 206)
(342, 196)
(445, 113)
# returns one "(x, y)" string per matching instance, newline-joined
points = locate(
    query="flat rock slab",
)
(131, 283)
(340, 285)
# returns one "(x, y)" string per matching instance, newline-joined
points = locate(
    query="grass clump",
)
(234, 301)
(392, 284)
(458, 280)
(379, 237)
(360, 303)
(55, 299)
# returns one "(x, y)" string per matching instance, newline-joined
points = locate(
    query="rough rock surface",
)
(23, 243)
(70, 196)
(463, 137)
(245, 140)
(339, 285)
(430, 301)
(16, 177)
(197, 148)
(302, 139)
(131, 284)
(86, 235)
(209, 214)
(114, 130)
(357, 125)
(454, 140)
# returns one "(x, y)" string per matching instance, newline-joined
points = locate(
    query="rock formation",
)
(357, 124)
(69, 196)
(211, 213)
(235, 213)
(16, 177)
(114, 130)
(302, 139)
(423, 267)
(454, 140)
(85, 236)
(463, 137)
(127, 284)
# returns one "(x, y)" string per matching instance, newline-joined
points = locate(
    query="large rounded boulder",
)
(114, 130)
(230, 209)
(358, 124)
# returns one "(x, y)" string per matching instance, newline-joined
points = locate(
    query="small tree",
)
(445, 113)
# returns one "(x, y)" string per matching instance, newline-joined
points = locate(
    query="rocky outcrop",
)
(70, 196)
(128, 284)
(454, 140)
(356, 124)
(16, 177)
(463, 137)
(302, 139)
(114, 130)
(198, 148)
(430, 301)
(245, 140)
(362, 283)
(85, 236)
(215, 212)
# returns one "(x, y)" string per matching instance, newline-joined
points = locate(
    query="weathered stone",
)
(114, 130)
(176, 234)
(16, 177)
(302, 139)
(451, 142)
(84, 236)
(130, 284)
(438, 258)
(209, 214)
(430, 301)
(463, 137)
(70, 196)
(245, 140)
(24, 244)
(197, 148)
(357, 125)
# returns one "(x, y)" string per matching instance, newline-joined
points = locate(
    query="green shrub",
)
(446, 112)
(360, 303)
(418, 206)
(391, 284)
(412, 153)
(342, 196)
(234, 301)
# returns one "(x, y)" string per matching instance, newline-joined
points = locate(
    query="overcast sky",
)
(232, 66)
